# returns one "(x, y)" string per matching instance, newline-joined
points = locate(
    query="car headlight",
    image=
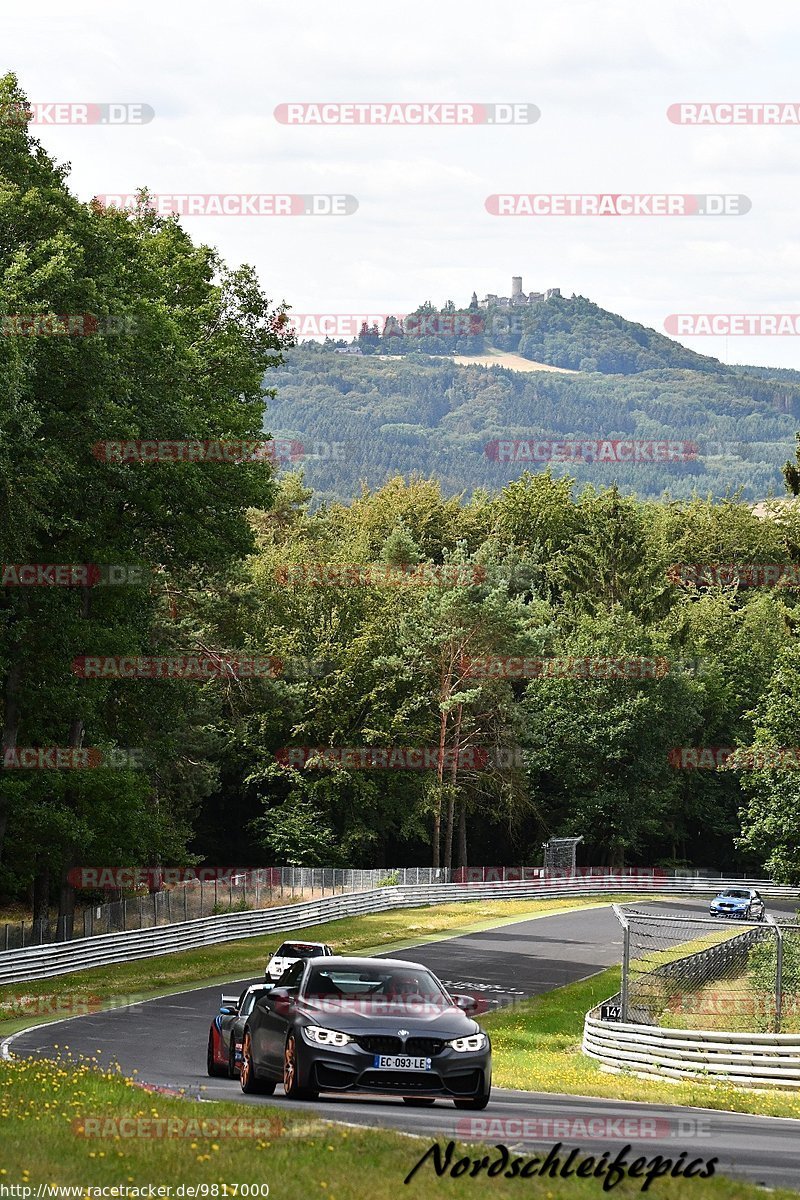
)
(326, 1037)
(475, 1041)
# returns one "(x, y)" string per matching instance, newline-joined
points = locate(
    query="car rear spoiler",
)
(229, 1001)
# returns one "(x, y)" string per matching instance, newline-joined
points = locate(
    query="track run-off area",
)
(163, 1041)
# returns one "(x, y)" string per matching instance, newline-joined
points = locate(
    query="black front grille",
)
(421, 1047)
(427, 1047)
(401, 1081)
(381, 1045)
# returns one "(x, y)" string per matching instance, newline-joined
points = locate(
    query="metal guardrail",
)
(748, 1059)
(61, 958)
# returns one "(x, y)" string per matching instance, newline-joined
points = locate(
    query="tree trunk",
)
(41, 904)
(462, 833)
(9, 736)
(65, 927)
(437, 815)
(451, 795)
(65, 923)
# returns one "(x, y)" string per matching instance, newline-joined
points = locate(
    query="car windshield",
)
(298, 950)
(381, 983)
(737, 895)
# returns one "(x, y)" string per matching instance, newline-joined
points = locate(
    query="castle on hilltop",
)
(516, 299)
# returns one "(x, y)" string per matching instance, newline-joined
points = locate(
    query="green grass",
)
(37, 1001)
(45, 1106)
(536, 1047)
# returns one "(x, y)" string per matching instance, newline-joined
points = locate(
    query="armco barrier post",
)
(626, 959)
(778, 973)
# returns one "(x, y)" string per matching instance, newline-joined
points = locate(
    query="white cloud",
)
(603, 76)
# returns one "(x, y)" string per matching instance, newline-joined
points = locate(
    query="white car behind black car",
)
(291, 952)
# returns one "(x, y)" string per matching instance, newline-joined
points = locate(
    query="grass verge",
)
(536, 1047)
(47, 1109)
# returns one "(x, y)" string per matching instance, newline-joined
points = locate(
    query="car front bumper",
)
(352, 1069)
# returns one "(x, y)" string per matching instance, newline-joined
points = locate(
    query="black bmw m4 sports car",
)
(367, 1025)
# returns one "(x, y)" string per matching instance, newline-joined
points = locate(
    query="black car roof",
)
(364, 964)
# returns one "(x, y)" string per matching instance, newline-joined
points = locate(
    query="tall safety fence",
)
(703, 973)
(237, 891)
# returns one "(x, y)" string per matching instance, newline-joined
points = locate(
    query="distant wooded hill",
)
(364, 418)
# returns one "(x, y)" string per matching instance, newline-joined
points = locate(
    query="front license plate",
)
(401, 1062)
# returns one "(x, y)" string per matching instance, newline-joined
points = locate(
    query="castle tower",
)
(516, 287)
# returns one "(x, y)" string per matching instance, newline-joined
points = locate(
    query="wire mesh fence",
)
(687, 972)
(237, 891)
(560, 853)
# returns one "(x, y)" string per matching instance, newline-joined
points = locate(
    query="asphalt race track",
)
(164, 1041)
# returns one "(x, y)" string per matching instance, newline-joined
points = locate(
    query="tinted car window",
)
(298, 950)
(387, 983)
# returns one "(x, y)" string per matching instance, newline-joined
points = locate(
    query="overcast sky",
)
(602, 72)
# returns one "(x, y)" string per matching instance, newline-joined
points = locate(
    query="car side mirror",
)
(227, 1011)
(467, 1004)
(281, 999)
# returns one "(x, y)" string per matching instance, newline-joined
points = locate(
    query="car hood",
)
(424, 1019)
(729, 902)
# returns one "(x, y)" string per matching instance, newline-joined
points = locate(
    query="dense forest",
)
(272, 769)
(364, 419)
